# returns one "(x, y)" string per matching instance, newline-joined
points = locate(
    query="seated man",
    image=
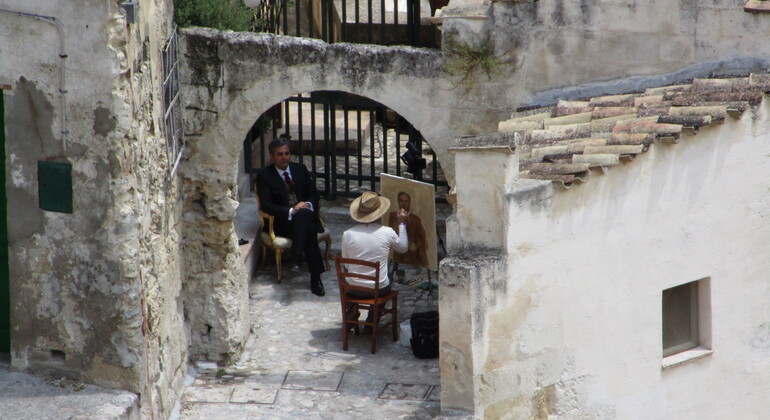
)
(372, 242)
(287, 191)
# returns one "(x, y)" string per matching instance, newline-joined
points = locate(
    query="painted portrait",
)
(418, 199)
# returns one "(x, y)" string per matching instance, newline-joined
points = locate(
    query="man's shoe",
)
(316, 287)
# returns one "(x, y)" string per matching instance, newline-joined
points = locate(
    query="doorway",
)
(5, 293)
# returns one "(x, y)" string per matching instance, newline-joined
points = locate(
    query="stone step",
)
(22, 394)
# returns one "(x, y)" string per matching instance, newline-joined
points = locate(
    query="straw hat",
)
(368, 207)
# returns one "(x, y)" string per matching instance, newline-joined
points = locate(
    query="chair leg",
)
(264, 256)
(278, 254)
(345, 328)
(356, 329)
(326, 254)
(376, 323)
(394, 319)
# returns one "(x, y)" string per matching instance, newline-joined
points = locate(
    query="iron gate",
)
(346, 141)
(380, 22)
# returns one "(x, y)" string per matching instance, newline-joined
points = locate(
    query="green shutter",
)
(54, 186)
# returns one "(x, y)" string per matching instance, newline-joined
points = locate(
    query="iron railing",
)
(380, 22)
(172, 112)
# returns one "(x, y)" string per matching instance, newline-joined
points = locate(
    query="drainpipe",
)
(62, 76)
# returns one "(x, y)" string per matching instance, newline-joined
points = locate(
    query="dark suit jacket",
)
(272, 191)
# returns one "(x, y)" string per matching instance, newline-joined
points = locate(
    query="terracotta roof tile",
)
(509, 126)
(571, 107)
(564, 143)
(583, 117)
(692, 98)
(668, 89)
(613, 100)
(719, 85)
(716, 112)
(645, 126)
(562, 132)
(630, 139)
(598, 159)
(648, 100)
(613, 111)
(603, 125)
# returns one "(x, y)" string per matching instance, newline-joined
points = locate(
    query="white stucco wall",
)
(575, 330)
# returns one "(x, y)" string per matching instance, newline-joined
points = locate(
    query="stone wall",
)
(95, 294)
(231, 78)
(548, 50)
(574, 326)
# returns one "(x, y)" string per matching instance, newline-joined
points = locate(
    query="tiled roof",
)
(566, 142)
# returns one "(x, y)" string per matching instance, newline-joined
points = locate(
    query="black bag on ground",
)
(424, 334)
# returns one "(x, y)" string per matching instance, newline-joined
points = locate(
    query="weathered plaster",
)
(95, 294)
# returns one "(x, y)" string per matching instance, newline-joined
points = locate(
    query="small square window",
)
(686, 317)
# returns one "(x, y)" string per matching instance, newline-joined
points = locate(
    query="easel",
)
(394, 269)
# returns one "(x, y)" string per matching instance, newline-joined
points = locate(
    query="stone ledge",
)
(757, 6)
(24, 396)
(685, 357)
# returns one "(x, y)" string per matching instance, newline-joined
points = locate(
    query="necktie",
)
(288, 180)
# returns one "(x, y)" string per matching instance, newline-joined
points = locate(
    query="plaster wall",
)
(95, 294)
(574, 330)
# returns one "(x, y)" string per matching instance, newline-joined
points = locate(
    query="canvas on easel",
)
(418, 199)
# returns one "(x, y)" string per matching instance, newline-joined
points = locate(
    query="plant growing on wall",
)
(219, 14)
(230, 14)
(464, 60)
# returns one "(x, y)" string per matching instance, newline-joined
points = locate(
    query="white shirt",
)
(372, 242)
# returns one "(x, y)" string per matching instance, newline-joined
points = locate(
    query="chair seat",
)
(285, 243)
(279, 242)
(370, 301)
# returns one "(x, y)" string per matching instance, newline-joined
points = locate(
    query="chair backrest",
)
(344, 265)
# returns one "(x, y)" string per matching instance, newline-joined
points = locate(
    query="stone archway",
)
(229, 80)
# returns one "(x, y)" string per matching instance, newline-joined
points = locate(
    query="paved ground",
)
(294, 365)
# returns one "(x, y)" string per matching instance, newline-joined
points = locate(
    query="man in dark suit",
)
(287, 191)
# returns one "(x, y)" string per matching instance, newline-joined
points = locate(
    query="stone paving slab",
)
(405, 392)
(313, 381)
(253, 394)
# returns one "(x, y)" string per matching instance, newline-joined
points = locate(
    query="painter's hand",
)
(401, 216)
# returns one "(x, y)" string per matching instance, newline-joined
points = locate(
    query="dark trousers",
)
(303, 231)
(367, 295)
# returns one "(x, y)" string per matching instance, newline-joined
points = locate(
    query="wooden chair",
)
(279, 244)
(377, 304)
